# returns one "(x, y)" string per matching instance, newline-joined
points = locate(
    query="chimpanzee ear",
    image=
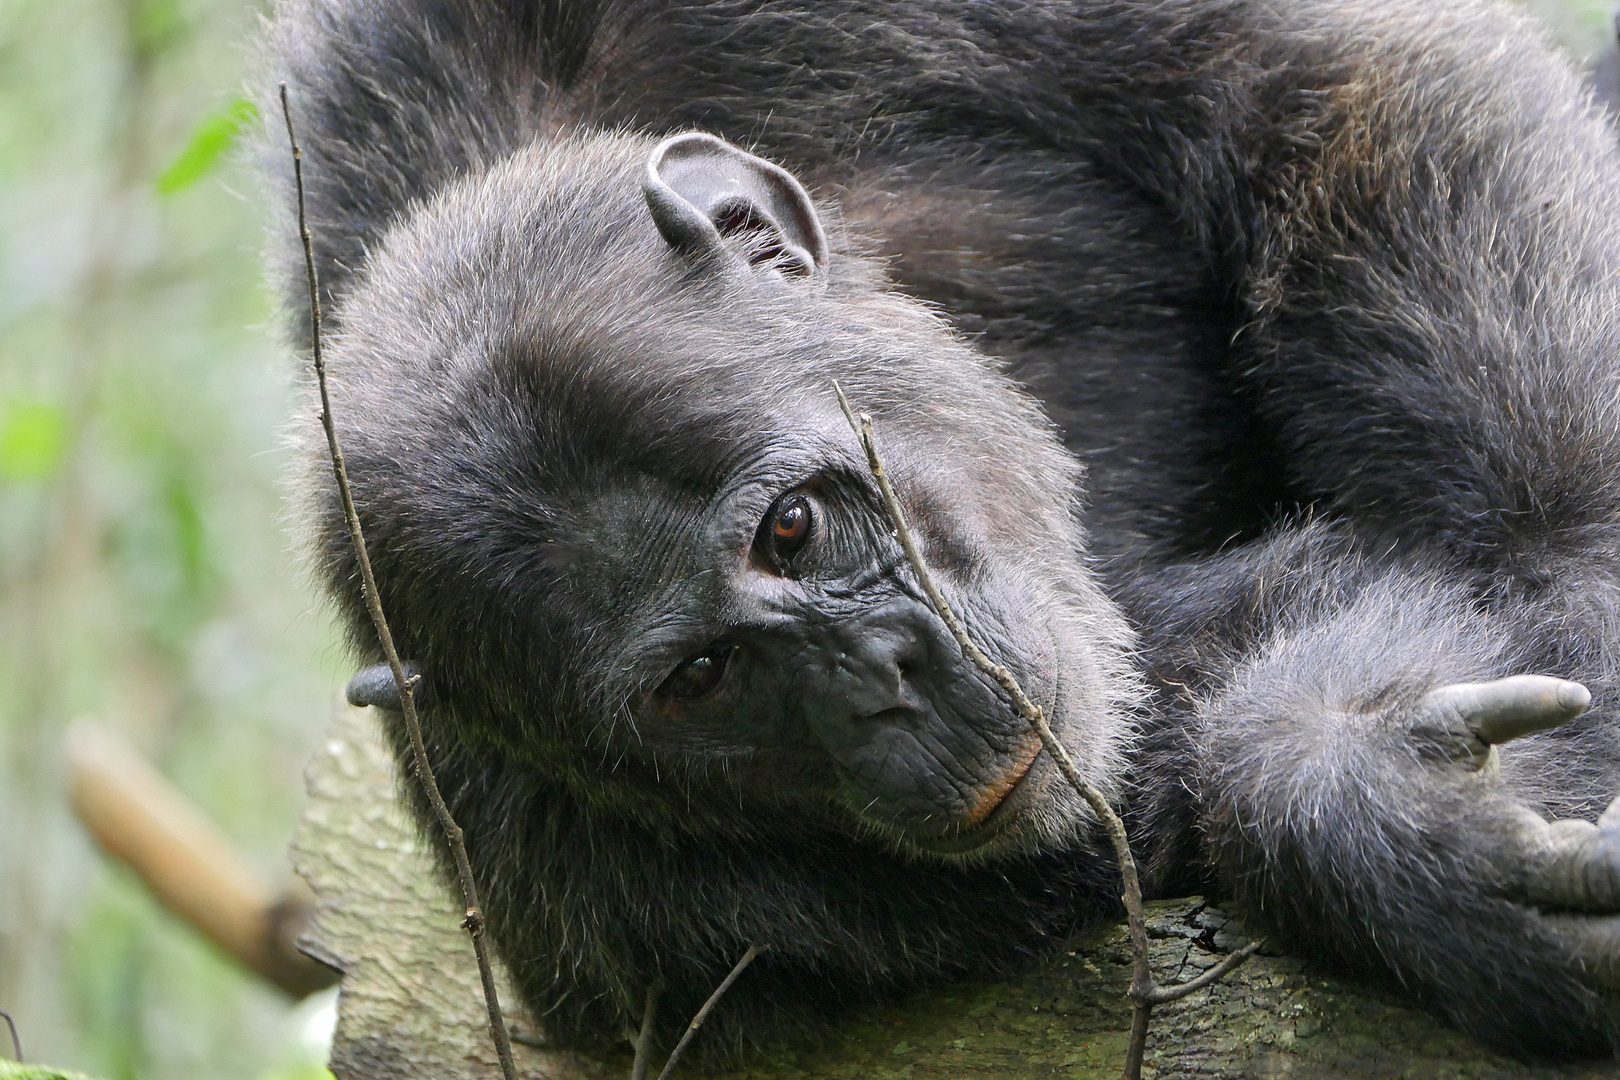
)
(711, 199)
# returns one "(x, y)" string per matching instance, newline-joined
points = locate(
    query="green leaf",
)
(209, 143)
(33, 438)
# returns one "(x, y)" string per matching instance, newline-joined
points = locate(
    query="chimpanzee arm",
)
(1375, 814)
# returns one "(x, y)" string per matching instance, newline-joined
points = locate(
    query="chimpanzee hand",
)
(1569, 868)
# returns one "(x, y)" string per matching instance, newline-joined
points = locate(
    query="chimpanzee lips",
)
(1002, 804)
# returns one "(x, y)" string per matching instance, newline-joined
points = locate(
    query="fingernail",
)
(1573, 697)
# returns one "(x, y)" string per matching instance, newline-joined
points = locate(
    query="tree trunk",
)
(411, 1005)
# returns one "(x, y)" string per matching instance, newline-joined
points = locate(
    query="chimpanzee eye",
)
(698, 677)
(785, 530)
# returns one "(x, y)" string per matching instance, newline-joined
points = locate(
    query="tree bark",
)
(411, 1004)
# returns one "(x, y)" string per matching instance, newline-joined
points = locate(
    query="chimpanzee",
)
(1250, 370)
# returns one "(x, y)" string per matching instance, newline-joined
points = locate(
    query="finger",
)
(1572, 864)
(1506, 709)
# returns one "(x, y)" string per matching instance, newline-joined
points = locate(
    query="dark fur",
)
(1323, 295)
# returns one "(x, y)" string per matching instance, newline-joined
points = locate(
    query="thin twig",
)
(1164, 994)
(473, 919)
(708, 1007)
(644, 1041)
(16, 1043)
(1144, 993)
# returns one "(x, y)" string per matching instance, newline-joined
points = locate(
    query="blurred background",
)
(146, 581)
(145, 575)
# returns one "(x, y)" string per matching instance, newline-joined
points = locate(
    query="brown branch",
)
(141, 819)
(708, 1007)
(473, 919)
(1144, 993)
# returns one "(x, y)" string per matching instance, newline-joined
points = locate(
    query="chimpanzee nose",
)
(920, 742)
(868, 669)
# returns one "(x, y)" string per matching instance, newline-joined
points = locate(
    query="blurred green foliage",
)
(145, 578)
(12, 1071)
(32, 438)
(145, 574)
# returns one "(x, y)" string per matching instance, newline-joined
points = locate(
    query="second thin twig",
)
(708, 1007)
(1144, 992)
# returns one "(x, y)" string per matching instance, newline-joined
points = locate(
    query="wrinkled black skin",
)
(1321, 293)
